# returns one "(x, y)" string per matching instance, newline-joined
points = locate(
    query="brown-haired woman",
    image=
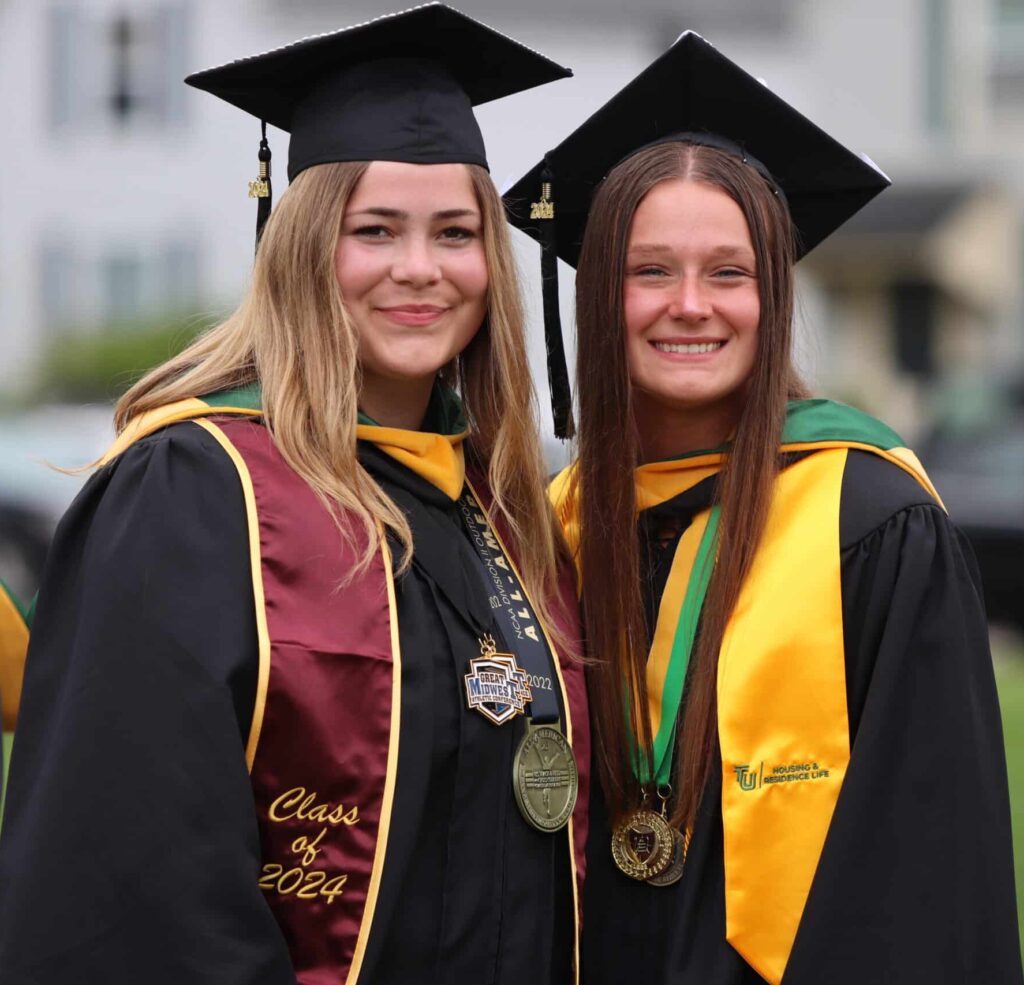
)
(797, 738)
(290, 712)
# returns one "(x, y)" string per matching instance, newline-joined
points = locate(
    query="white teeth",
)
(692, 348)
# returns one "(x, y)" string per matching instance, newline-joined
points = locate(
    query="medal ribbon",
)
(520, 628)
(666, 666)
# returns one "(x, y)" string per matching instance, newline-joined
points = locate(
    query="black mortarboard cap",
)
(400, 87)
(691, 92)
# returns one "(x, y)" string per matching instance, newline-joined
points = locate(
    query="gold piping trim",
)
(568, 736)
(152, 420)
(262, 632)
(387, 803)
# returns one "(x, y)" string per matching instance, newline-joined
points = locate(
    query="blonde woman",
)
(299, 705)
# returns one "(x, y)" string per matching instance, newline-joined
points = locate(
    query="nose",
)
(691, 302)
(415, 263)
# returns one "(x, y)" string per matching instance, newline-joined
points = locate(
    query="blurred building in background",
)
(124, 216)
(122, 201)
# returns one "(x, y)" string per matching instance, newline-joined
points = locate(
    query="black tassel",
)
(261, 189)
(558, 373)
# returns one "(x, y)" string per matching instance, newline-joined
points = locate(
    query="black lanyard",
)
(518, 625)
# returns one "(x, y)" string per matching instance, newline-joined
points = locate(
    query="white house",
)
(123, 192)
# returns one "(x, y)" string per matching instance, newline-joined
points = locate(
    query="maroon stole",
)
(323, 747)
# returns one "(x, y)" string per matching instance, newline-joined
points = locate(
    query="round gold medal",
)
(545, 778)
(642, 844)
(673, 872)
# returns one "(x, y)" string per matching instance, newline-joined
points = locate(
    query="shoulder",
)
(876, 490)
(882, 478)
(180, 451)
(161, 525)
(560, 487)
(178, 470)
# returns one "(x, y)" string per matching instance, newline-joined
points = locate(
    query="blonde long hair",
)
(291, 333)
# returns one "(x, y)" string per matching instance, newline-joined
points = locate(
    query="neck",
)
(666, 431)
(396, 403)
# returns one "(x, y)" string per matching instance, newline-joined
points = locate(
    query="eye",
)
(371, 232)
(458, 234)
(731, 273)
(647, 270)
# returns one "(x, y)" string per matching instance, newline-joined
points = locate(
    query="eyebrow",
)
(657, 249)
(386, 213)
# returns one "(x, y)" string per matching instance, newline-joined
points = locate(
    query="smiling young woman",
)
(691, 307)
(726, 257)
(797, 744)
(412, 268)
(302, 702)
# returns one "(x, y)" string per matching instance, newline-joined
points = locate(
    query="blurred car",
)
(24, 540)
(34, 446)
(980, 476)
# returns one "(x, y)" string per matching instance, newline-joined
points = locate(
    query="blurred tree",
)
(101, 365)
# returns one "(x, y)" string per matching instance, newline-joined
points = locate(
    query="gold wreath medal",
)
(642, 845)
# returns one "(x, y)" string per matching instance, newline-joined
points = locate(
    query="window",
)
(1007, 78)
(57, 286)
(179, 275)
(121, 276)
(123, 67)
(914, 312)
(936, 60)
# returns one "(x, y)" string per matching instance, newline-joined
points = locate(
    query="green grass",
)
(8, 739)
(1010, 678)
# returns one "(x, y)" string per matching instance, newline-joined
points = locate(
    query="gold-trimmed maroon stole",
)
(323, 748)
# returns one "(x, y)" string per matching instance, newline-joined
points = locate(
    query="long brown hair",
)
(604, 488)
(292, 334)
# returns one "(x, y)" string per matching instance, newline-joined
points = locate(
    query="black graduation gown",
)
(130, 850)
(915, 881)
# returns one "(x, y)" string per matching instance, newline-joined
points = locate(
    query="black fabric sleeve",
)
(915, 883)
(130, 849)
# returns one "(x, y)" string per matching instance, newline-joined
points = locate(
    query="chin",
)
(693, 400)
(413, 367)
(686, 399)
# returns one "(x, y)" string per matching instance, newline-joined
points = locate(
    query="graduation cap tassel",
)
(558, 373)
(261, 189)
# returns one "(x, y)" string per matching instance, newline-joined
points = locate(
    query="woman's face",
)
(691, 301)
(412, 270)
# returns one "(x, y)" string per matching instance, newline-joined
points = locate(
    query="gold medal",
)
(545, 778)
(642, 844)
(674, 870)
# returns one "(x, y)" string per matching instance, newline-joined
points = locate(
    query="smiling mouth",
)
(415, 309)
(688, 348)
(413, 315)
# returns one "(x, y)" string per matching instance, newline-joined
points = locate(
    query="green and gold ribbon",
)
(674, 634)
